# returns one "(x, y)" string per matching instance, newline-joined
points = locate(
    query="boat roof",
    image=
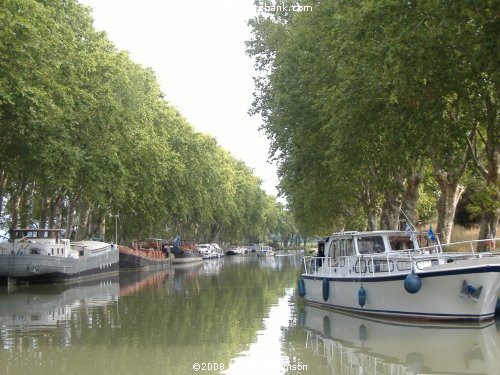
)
(351, 234)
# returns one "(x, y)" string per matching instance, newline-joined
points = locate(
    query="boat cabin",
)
(364, 243)
(37, 242)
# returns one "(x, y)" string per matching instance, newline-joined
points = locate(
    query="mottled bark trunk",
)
(69, 220)
(23, 209)
(411, 194)
(490, 172)
(44, 207)
(447, 203)
(372, 216)
(391, 210)
(58, 220)
(101, 224)
(3, 183)
(487, 229)
(214, 233)
(90, 224)
(83, 219)
(371, 208)
(15, 202)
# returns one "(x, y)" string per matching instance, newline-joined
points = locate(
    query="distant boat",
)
(41, 255)
(235, 250)
(206, 250)
(185, 251)
(153, 253)
(388, 273)
(265, 251)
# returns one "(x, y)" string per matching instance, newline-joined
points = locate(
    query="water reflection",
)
(265, 355)
(348, 344)
(146, 322)
(45, 306)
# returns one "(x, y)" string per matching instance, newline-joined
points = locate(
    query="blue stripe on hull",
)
(404, 314)
(367, 278)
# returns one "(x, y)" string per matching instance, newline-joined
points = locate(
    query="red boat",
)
(146, 254)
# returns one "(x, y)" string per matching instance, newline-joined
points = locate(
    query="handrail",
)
(323, 266)
(459, 243)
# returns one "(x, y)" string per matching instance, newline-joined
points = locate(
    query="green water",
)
(239, 315)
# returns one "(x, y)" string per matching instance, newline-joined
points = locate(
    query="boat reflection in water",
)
(45, 306)
(358, 345)
(133, 281)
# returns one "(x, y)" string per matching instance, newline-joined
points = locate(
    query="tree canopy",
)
(363, 100)
(86, 134)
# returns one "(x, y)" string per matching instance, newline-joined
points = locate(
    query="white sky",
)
(197, 51)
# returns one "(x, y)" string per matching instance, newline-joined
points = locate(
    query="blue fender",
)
(326, 290)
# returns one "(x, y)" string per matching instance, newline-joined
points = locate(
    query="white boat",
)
(235, 250)
(206, 250)
(265, 251)
(41, 255)
(217, 250)
(388, 273)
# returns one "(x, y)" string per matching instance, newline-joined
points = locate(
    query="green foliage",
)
(356, 95)
(85, 133)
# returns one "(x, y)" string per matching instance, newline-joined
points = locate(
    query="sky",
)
(197, 50)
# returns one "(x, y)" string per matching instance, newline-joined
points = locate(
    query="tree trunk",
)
(490, 172)
(447, 203)
(83, 219)
(44, 204)
(100, 224)
(214, 233)
(487, 229)
(411, 195)
(3, 183)
(58, 220)
(70, 218)
(391, 210)
(90, 224)
(23, 208)
(15, 201)
(371, 208)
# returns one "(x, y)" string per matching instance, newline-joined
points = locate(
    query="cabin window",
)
(370, 245)
(334, 250)
(347, 249)
(360, 266)
(378, 265)
(400, 243)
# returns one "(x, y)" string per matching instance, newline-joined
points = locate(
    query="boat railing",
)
(394, 261)
(477, 248)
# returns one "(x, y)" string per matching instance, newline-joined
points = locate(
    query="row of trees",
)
(85, 134)
(376, 105)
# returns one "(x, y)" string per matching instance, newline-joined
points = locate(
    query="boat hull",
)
(133, 261)
(43, 268)
(440, 296)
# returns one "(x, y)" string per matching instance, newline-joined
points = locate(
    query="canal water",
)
(238, 315)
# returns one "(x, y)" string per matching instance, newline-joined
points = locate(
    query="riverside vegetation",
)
(373, 106)
(85, 134)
